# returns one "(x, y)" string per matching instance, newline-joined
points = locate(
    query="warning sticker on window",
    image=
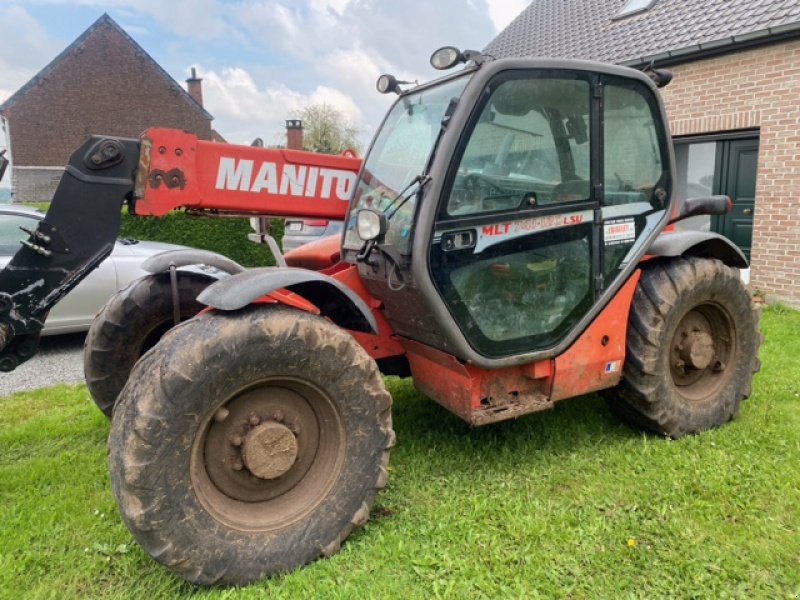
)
(619, 231)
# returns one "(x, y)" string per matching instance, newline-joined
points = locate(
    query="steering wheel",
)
(570, 191)
(477, 183)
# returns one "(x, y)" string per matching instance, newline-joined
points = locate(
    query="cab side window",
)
(632, 150)
(529, 147)
(636, 179)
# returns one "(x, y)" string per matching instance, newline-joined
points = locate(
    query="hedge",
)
(227, 236)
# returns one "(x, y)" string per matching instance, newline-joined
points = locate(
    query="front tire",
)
(249, 443)
(131, 323)
(692, 348)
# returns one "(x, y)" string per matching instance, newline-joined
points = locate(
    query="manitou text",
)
(287, 179)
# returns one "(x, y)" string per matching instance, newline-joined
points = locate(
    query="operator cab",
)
(515, 198)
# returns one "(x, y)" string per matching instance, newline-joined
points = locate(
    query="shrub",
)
(227, 236)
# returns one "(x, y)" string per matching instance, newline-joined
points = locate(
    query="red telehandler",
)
(508, 243)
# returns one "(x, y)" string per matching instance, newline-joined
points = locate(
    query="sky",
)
(262, 61)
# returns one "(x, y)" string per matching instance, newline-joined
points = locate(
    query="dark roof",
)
(103, 20)
(669, 32)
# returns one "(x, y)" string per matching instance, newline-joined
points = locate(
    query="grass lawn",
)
(568, 503)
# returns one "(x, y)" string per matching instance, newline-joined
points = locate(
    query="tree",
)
(325, 129)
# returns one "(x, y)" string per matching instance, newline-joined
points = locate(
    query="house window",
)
(633, 7)
(697, 171)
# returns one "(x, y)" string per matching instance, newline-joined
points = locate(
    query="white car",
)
(76, 310)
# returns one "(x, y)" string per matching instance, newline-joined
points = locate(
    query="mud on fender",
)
(333, 299)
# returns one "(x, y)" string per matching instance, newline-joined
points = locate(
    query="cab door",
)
(556, 179)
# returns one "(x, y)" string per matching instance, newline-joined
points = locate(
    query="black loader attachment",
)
(76, 235)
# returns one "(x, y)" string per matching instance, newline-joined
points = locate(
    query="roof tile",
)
(586, 28)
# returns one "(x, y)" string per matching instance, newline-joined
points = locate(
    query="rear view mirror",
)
(706, 205)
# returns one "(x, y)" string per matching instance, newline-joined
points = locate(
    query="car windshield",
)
(398, 156)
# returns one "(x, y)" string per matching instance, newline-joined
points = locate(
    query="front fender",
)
(702, 244)
(334, 299)
(163, 261)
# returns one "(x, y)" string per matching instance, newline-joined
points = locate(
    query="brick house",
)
(733, 105)
(103, 82)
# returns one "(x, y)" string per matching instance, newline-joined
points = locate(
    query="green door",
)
(739, 165)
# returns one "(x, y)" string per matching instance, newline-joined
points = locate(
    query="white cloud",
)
(502, 12)
(244, 110)
(325, 6)
(25, 49)
(346, 44)
(356, 70)
(266, 59)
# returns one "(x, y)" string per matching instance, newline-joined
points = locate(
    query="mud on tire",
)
(129, 324)
(249, 443)
(691, 348)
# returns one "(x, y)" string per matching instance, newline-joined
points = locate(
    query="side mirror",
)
(706, 205)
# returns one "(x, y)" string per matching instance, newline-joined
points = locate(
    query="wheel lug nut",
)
(236, 440)
(237, 466)
(277, 416)
(254, 420)
(221, 415)
(294, 428)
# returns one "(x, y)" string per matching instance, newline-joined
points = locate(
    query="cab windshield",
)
(398, 157)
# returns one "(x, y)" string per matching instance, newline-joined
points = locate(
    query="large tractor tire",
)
(131, 323)
(249, 443)
(692, 348)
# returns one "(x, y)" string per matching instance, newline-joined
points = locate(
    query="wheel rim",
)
(702, 350)
(268, 455)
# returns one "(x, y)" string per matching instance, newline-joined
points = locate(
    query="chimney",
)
(195, 88)
(294, 134)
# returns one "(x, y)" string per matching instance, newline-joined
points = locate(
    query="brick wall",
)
(760, 89)
(103, 85)
(35, 184)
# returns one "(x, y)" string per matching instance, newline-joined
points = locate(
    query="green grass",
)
(568, 503)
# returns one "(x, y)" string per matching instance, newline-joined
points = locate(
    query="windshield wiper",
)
(400, 199)
(405, 195)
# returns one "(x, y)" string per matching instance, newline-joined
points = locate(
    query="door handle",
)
(459, 240)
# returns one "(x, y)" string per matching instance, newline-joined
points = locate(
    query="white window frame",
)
(634, 7)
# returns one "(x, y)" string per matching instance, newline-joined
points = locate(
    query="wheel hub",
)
(697, 350)
(269, 450)
(701, 350)
(261, 444)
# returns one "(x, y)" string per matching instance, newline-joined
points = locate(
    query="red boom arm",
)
(178, 170)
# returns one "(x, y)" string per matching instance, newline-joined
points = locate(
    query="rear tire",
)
(692, 348)
(249, 443)
(131, 323)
